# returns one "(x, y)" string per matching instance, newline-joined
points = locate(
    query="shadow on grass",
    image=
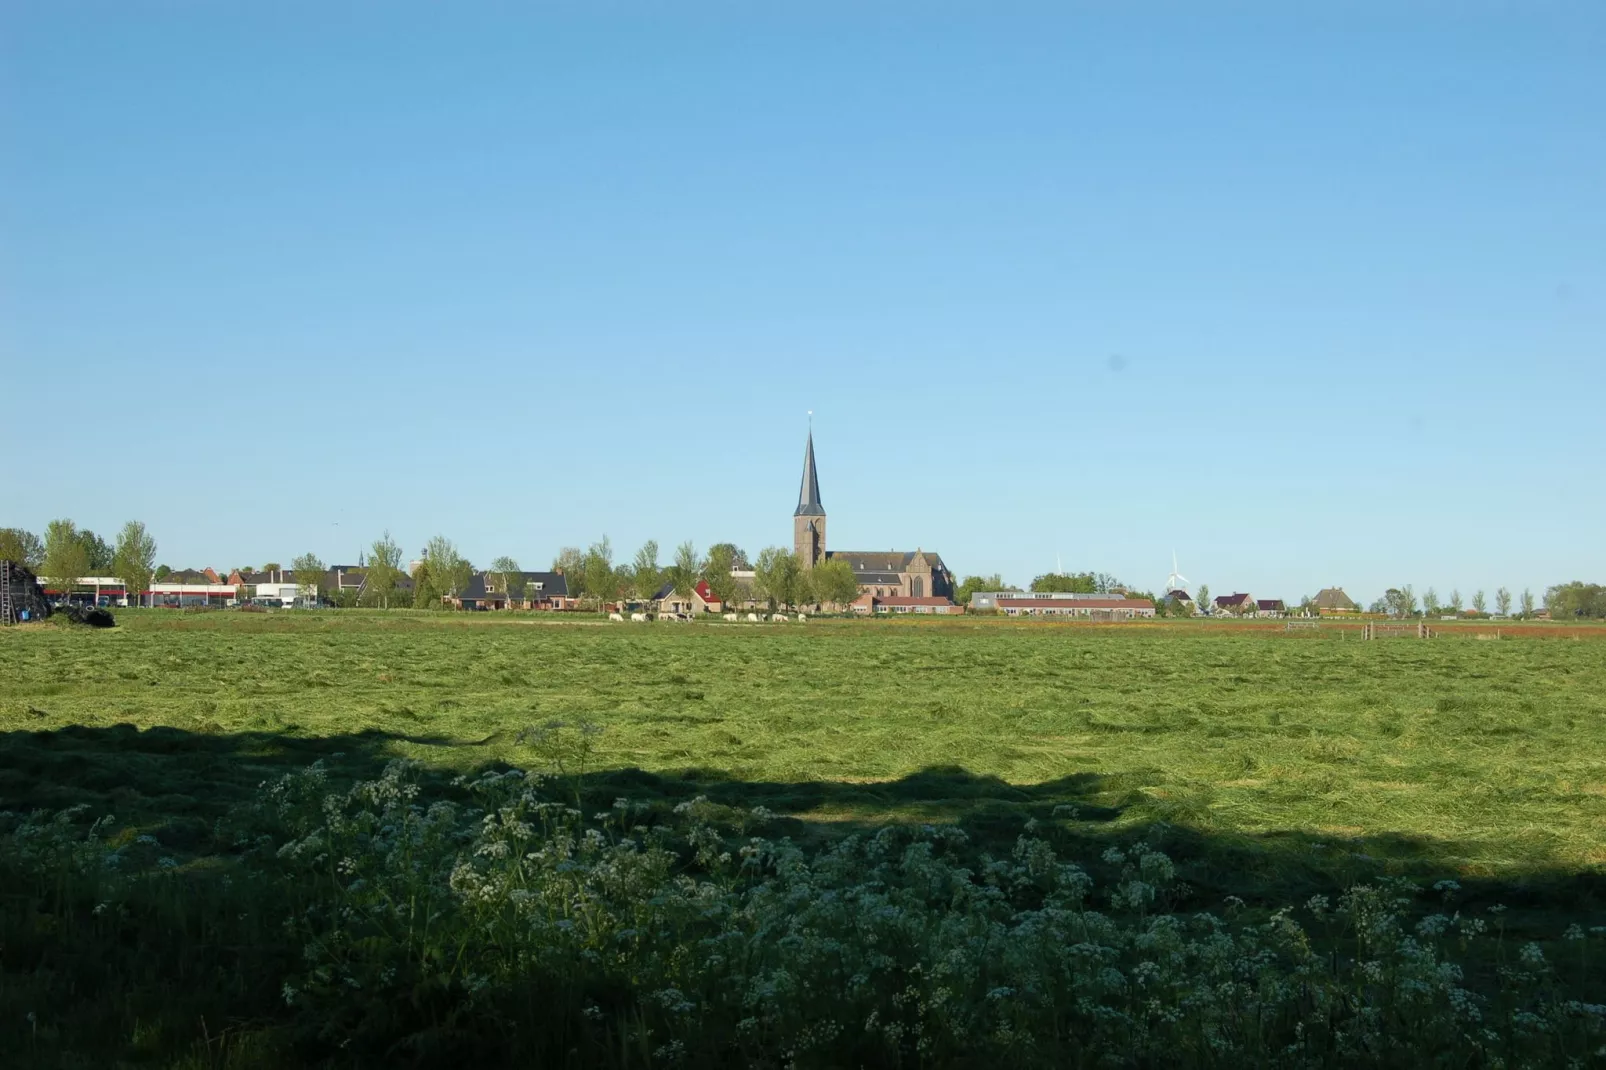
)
(176, 784)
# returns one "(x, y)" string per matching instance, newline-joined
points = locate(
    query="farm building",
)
(989, 599)
(1097, 607)
(870, 603)
(1334, 600)
(1270, 607)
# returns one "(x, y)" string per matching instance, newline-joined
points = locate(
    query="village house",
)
(530, 590)
(1270, 607)
(700, 600)
(1238, 605)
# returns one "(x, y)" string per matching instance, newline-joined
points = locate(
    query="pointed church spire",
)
(808, 495)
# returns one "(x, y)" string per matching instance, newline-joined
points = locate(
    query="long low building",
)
(1097, 607)
(869, 603)
(989, 599)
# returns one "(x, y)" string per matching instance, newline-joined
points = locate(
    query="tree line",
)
(779, 578)
(1402, 601)
(68, 552)
(593, 576)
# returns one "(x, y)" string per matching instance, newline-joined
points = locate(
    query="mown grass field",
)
(1271, 766)
(1486, 757)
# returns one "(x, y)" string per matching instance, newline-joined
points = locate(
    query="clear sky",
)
(1313, 294)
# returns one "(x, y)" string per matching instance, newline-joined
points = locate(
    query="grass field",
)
(1270, 766)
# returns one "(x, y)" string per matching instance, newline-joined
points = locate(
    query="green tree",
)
(98, 555)
(1479, 603)
(425, 594)
(1430, 602)
(601, 579)
(687, 569)
(1502, 602)
(1202, 599)
(66, 559)
(23, 547)
(272, 566)
(1061, 582)
(1567, 601)
(717, 571)
(135, 559)
(384, 571)
(804, 589)
(1455, 601)
(309, 571)
(509, 577)
(449, 570)
(162, 572)
(775, 576)
(1401, 601)
(1527, 604)
(972, 584)
(834, 582)
(735, 554)
(645, 575)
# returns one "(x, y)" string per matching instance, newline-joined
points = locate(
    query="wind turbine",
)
(1176, 581)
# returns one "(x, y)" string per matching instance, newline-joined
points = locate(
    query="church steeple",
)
(808, 495)
(808, 519)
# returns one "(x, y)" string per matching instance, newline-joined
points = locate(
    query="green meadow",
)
(1488, 757)
(1268, 767)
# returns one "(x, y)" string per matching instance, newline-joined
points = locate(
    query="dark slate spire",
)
(808, 495)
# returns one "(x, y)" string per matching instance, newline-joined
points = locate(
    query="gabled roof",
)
(1269, 604)
(191, 576)
(1333, 598)
(553, 585)
(664, 592)
(893, 561)
(1178, 595)
(705, 592)
(1226, 601)
(808, 494)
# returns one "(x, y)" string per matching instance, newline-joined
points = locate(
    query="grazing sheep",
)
(778, 616)
(732, 616)
(639, 618)
(752, 618)
(616, 616)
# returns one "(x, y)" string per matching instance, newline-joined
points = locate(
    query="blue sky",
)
(1313, 298)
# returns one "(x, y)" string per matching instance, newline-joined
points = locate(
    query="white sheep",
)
(639, 618)
(752, 618)
(616, 616)
(801, 618)
(778, 616)
(732, 616)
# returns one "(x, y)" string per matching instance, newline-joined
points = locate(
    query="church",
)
(881, 573)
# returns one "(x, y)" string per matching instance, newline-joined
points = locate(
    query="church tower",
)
(808, 520)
